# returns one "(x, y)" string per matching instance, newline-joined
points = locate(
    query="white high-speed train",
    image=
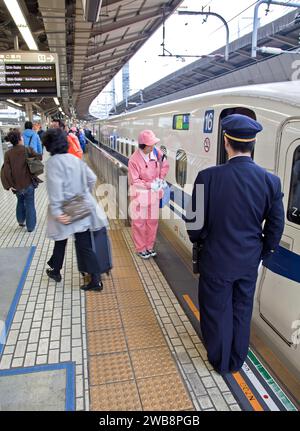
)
(192, 139)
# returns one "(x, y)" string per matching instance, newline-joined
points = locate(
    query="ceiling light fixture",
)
(14, 103)
(56, 101)
(20, 21)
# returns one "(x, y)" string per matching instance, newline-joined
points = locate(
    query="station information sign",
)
(29, 74)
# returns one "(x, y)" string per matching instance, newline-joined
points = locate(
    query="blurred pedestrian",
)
(15, 175)
(68, 177)
(31, 138)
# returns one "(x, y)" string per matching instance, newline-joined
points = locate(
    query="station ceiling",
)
(89, 54)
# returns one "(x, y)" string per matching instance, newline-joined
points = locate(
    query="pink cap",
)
(74, 129)
(147, 137)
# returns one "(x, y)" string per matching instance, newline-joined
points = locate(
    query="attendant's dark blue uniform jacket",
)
(238, 197)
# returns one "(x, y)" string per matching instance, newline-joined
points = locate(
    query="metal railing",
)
(111, 171)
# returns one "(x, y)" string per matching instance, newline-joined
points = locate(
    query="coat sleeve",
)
(91, 178)
(197, 224)
(54, 181)
(134, 177)
(39, 148)
(274, 224)
(6, 174)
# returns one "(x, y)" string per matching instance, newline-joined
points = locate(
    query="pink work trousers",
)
(144, 226)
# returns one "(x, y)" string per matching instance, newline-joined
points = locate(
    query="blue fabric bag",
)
(167, 192)
(166, 196)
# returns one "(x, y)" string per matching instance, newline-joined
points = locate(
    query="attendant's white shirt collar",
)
(239, 155)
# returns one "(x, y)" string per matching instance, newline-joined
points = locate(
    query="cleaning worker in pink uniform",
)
(147, 168)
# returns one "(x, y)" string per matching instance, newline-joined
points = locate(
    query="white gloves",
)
(156, 185)
(164, 184)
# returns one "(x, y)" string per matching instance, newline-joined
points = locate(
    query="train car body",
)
(191, 137)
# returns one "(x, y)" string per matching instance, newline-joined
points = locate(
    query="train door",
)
(279, 290)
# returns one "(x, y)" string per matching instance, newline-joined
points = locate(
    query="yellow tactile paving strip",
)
(130, 364)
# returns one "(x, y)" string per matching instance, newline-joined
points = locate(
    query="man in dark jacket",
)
(238, 197)
(15, 175)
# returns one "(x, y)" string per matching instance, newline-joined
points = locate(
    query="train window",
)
(127, 150)
(122, 148)
(181, 167)
(181, 122)
(293, 212)
(164, 150)
(132, 149)
(222, 155)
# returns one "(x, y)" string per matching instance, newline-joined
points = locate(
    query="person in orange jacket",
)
(74, 145)
(147, 169)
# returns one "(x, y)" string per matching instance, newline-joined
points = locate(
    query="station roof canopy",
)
(90, 54)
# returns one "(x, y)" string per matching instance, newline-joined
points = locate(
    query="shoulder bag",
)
(34, 164)
(77, 207)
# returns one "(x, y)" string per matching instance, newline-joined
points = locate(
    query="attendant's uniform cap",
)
(241, 128)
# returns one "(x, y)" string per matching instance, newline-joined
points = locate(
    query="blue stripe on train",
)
(283, 262)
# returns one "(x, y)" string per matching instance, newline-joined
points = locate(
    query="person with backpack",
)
(16, 176)
(31, 138)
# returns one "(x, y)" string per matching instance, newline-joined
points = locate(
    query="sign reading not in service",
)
(29, 74)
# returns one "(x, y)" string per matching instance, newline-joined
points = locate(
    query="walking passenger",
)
(147, 168)
(31, 138)
(68, 177)
(15, 175)
(74, 145)
(238, 197)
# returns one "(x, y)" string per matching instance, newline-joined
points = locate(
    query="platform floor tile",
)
(110, 368)
(122, 396)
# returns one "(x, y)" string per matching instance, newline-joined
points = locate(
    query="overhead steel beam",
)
(125, 23)
(117, 44)
(97, 82)
(287, 40)
(123, 54)
(109, 68)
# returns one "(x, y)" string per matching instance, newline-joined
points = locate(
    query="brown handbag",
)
(77, 207)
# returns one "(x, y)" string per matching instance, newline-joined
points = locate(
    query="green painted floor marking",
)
(287, 403)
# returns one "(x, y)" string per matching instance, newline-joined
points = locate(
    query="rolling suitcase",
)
(101, 246)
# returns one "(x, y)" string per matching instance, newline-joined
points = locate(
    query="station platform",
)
(130, 347)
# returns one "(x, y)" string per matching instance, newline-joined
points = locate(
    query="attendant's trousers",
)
(225, 318)
(144, 226)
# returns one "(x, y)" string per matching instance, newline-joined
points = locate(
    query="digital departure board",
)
(27, 74)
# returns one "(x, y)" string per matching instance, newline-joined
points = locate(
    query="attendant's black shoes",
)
(22, 224)
(54, 276)
(91, 286)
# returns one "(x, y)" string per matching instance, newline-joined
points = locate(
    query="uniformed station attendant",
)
(238, 197)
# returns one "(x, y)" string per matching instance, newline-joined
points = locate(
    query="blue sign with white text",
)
(209, 121)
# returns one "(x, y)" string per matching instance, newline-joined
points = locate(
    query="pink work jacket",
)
(141, 175)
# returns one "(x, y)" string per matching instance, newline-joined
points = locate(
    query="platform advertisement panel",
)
(29, 74)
